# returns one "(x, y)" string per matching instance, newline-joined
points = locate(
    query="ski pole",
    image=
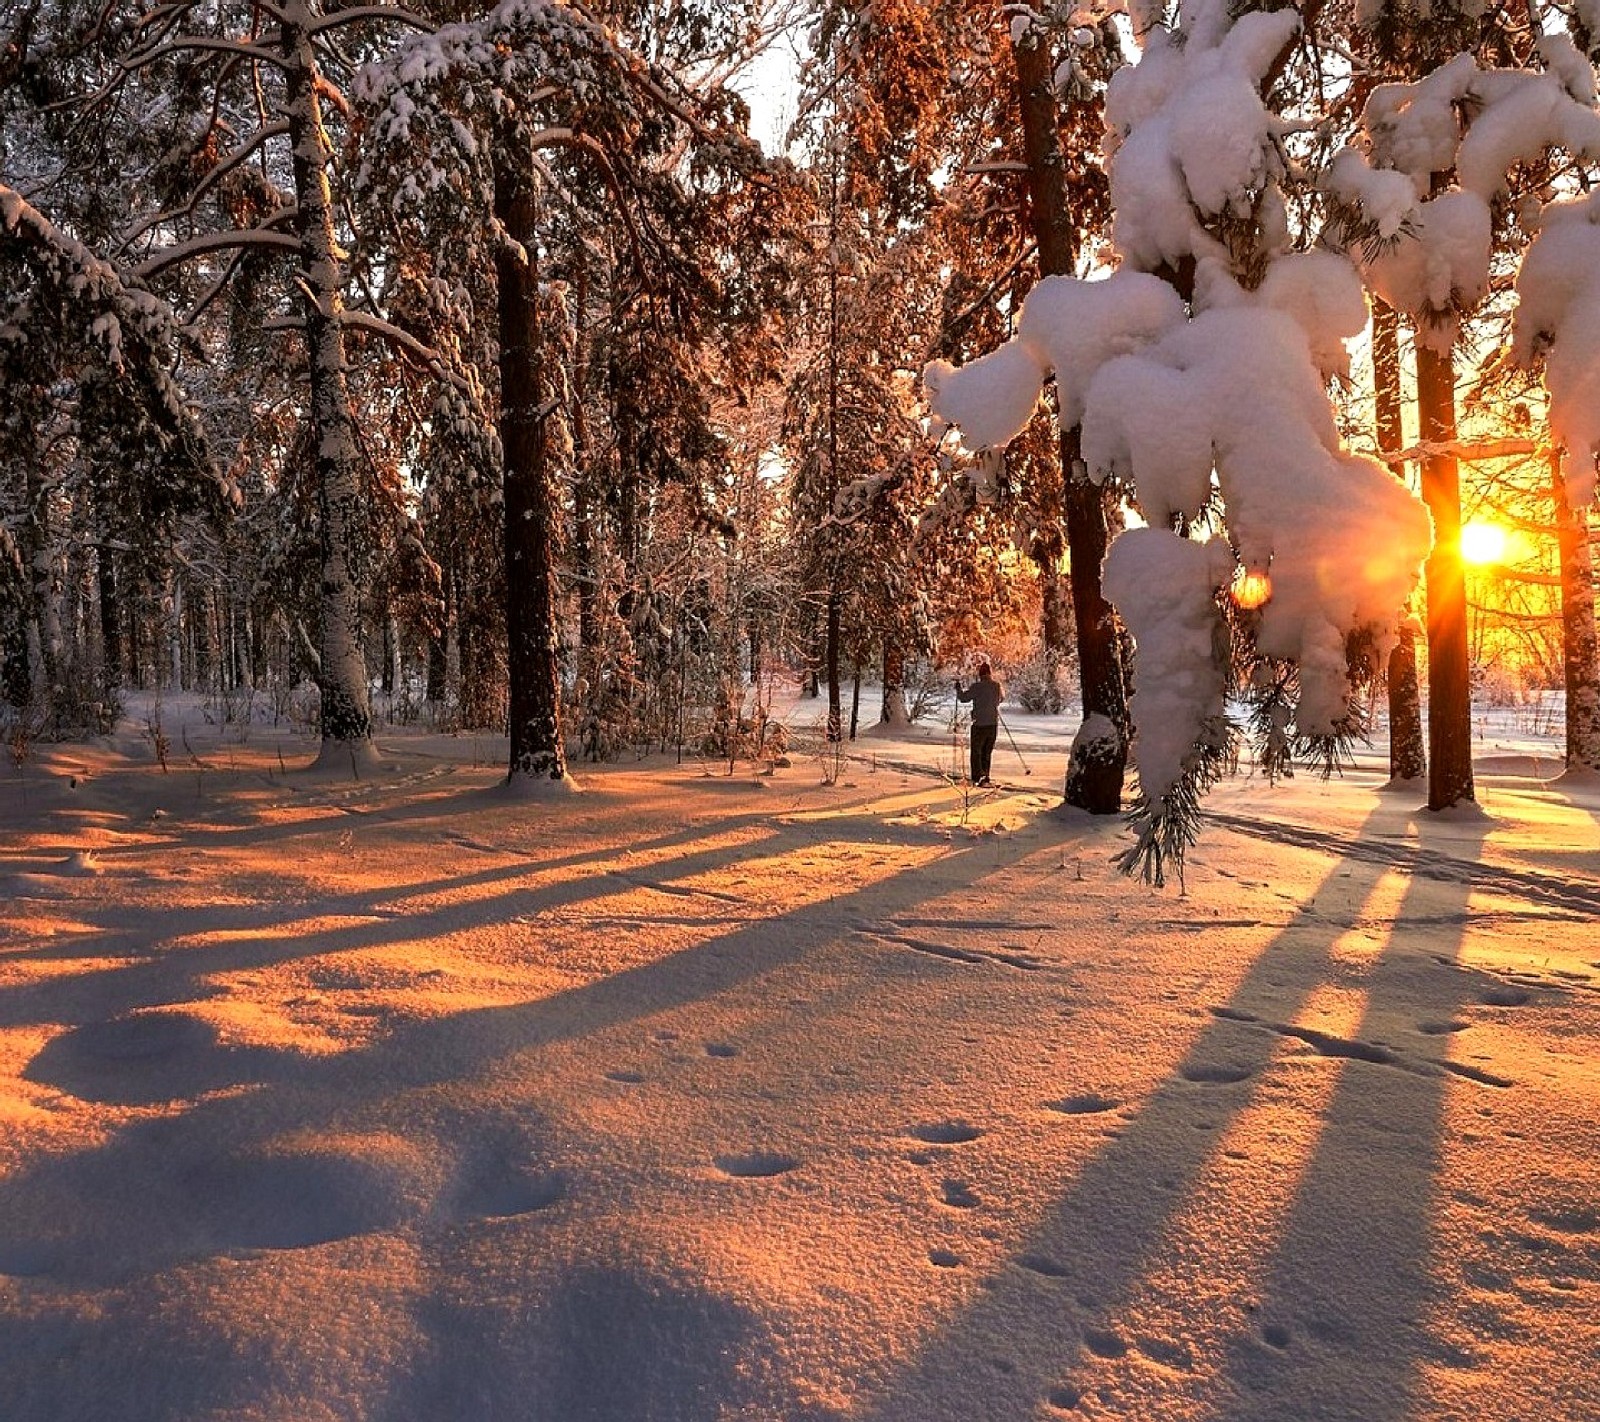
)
(1015, 746)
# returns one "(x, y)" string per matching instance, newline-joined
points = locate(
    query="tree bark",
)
(1408, 757)
(894, 711)
(346, 712)
(110, 620)
(537, 750)
(1580, 638)
(1449, 678)
(1053, 638)
(1099, 758)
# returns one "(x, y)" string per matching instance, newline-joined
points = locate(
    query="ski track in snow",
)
(1526, 884)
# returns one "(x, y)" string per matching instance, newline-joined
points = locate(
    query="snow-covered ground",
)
(699, 1096)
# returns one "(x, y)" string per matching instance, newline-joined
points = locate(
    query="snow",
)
(1558, 313)
(1341, 536)
(1189, 136)
(1164, 586)
(1440, 268)
(1068, 327)
(702, 1097)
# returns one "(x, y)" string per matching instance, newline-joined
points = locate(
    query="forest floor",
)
(705, 1096)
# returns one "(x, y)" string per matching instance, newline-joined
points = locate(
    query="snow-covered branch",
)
(358, 13)
(1468, 450)
(240, 49)
(225, 165)
(215, 242)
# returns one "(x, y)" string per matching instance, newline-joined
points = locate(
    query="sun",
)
(1483, 543)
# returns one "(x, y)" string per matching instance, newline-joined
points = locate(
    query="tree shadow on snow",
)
(1334, 1323)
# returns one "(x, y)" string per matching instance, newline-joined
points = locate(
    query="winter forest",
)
(505, 910)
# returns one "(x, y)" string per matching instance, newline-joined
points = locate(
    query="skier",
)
(985, 695)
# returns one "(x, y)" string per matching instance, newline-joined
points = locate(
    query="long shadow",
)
(145, 1222)
(1049, 1313)
(1344, 1327)
(95, 1214)
(162, 977)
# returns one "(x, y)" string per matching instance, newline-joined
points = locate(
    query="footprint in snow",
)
(723, 1050)
(1507, 997)
(958, 1195)
(755, 1165)
(944, 1259)
(944, 1132)
(1104, 1343)
(1064, 1398)
(515, 1194)
(1215, 1073)
(626, 1078)
(294, 1193)
(1090, 1103)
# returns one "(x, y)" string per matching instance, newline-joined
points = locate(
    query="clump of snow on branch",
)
(1242, 400)
(1189, 137)
(1426, 252)
(1068, 327)
(1228, 399)
(1558, 317)
(1166, 586)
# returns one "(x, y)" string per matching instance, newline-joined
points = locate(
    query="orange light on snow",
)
(1251, 589)
(1483, 543)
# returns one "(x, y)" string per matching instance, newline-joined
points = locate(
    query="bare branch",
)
(224, 166)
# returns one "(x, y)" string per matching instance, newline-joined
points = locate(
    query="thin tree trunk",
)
(835, 595)
(583, 505)
(1053, 639)
(110, 621)
(1100, 751)
(346, 713)
(1449, 677)
(1408, 758)
(537, 751)
(1580, 644)
(894, 686)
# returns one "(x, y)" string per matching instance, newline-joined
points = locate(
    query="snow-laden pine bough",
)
(1214, 404)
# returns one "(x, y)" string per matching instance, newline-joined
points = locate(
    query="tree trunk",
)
(346, 714)
(1449, 678)
(1580, 645)
(110, 621)
(537, 751)
(894, 686)
(831, 661)
(1100, 752)
(1053, 640)
(1408, 758)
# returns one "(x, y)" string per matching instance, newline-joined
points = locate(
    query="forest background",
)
(483, 364)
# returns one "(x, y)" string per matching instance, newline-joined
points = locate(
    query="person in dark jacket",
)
(985, 695)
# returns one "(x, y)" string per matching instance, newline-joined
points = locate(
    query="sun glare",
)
(1483, 543)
